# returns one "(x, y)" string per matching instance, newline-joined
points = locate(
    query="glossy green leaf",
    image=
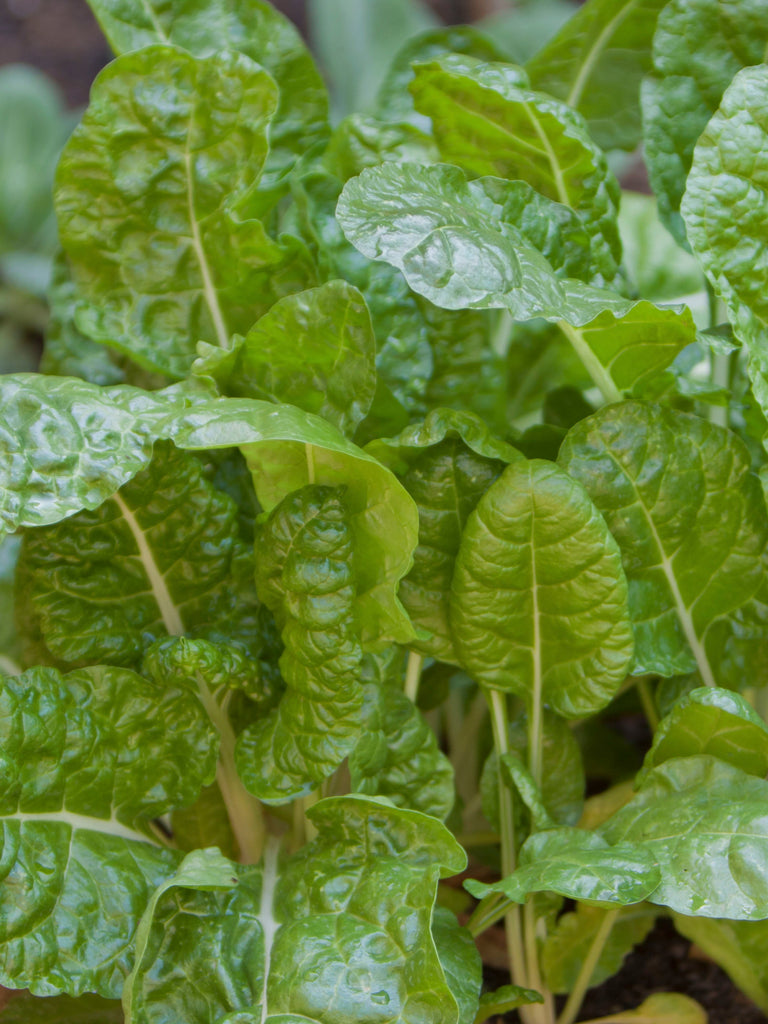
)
(165, 260)
(460, 961)
(739, 947)
(364, 141)
(254, 28)
(87, 1009)
(565, 949)
(595, 64)
(535, 561)
(167, 543)
(704, 822)
(580, 865)
(487, 123)
(698, 47)
(688, 514)
(662, 1008)
(285, 449)
(508, 997)
(327, 369)
(712, 721)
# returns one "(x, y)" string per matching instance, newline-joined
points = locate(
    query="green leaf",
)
(205, 823)
(656, 265)
(581, 865)
(712, 721)
(662, 1008)
(487, 123)
(704, 822)
(87, 1009)
(329, 367)
(460, 961)
(565, 949)
(285, 448)
(535, 561)
(698, 48)
(739, 947)
(167, 543)
(595, 64)
(254, 28)
(165, 260)
(365, 141)
(688, 514)
(90, 759)
(508, 997)
(9, 645)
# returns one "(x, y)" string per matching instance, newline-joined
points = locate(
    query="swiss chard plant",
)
(375, 466)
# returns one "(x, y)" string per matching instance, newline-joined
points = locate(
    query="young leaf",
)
(167, 259)
(363, 141)
(26, 1009)
(508, 997)
(739, 947)
(329, 367)
(595, 64)
(698, 47)
(535, 561)
(460, 961)
(712, 721)
(661, 1008)
(689, 517)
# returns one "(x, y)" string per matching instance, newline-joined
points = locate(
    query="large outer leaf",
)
(286, 448)
(688, 514)
(536, 560)
(157, 207)
(314, 349)
(698, 47)
(460, 961)
(704, 822)
(252, 27)
(488, 124)
(89, 759)
(739, 947)
(166, 544)
(595, 64)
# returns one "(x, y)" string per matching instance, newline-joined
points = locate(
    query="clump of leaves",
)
(375, 468)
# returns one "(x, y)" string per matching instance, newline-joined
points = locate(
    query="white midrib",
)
(168, 610)
(209, 289)
(106, 826)
(554, 163)
(587, 66)
(267, 913)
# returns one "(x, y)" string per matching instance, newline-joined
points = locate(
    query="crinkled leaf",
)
(508, 997)
(565, 949)
(460, 961)
(712, 721)
(487, 123)
(167, 543)
(680, 498)
(535, 562)
(314, 349)
(166, 258)
(739, 947)
(581, 865)
(221, 665)
(698, 48)
(284, 448)
(595, 64)
(364, 141)
(254, 28)
(87, 1009)
(704, 822)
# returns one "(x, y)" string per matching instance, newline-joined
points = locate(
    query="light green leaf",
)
(739, 947)
(487, 123)
(254, 28)
(712, 721)
(460, 961)
(285, 448)
(704, 822)
(581, 865)
(698, 48)
(327, 368)
(523, 784)
(535, 561)
(90, 759)
(662, 1008)
(167, 543)
(688, 514)
(164, 260)
(508, 997)
(87, 1009)
(365, 141)
(565, 949)
(595, 64)
(656, 265)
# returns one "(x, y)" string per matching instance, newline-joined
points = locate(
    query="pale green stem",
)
(466, 839)
(648, 702)
(310, 453)
(760, 701)
(413, 676)
(592, 364)
(306, 802)
(8, 667)
(571, 1009)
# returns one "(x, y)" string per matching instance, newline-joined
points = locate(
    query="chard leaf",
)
(712, 721)
(167, 543)
(656, 265)
(328, 368)
(364, 141)
(285, 448)
(688, 514)
(536, 559)
(704, 822)
(581, 865)
(488, 124)
(565, 949)
(305, 555)
(90, 759)
(205, 823)
(167, 258)
(595, 64)
(739, 947)
(662, 1008)
(253, 28)
(698, 48)
(9, 642)
(460, 961)
(88, 1009)
(508, 997)
(343, 928)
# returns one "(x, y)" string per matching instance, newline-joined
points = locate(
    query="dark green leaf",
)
(27, 1009)
(460, 961)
